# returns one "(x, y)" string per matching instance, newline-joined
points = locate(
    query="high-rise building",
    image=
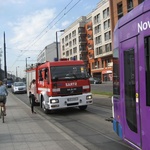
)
(73, 40)
(89, 39)
(101, 66)
(48, 53)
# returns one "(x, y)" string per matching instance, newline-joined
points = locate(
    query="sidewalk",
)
(25, 131)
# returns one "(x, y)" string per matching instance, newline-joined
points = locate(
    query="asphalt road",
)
(104, 87)
(88, 127)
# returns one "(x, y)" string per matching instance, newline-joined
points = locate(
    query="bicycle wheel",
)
(2, 112)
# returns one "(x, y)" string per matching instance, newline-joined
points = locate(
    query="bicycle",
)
(2, 113)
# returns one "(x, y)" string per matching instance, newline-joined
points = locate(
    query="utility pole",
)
(57, 44)
(0, 58)
(5, 66)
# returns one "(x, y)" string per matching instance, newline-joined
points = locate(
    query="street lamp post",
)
(26, 62)
(57, 43)
(17, 72)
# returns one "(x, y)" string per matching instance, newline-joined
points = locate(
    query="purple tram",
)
(131, 77)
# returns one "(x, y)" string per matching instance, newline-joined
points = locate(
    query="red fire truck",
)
(61, 84)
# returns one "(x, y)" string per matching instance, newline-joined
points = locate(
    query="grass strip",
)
(102, 93)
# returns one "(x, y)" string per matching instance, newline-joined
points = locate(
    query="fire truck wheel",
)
(82, 107)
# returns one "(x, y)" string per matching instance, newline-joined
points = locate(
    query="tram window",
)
(129, 83)
(147, 69)
(116, 76)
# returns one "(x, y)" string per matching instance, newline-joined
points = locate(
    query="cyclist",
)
(3, 94)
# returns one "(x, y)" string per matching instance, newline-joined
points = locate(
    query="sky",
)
(31, 25)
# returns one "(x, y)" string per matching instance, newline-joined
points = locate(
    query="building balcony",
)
(89, 27)
(81, 31)
(83, 52)
(90, 37)
(91, 56)
(82, 40)
(90, 47)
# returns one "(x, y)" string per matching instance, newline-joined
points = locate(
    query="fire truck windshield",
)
(68, 72)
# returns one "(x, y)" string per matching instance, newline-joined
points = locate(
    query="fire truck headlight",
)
(88, 97)
(54, 101)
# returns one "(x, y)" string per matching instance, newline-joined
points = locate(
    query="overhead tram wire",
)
(49, 28)
(24, 49)
(57, 21)
(43, 31)
(53, 20)
(49, 24)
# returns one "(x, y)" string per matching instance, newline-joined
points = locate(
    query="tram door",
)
(130, 86)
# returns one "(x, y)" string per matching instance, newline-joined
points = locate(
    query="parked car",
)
(18, 87)
(94, 80)
(8, 82)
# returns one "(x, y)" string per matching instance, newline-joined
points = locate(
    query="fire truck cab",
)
(61, 84)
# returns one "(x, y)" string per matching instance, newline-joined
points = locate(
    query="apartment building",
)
(73, 41)
(48, 53)
(119, 8)
(89, 39)
(101, 66)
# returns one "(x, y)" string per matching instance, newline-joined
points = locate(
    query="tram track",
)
(86, 126)
(63, 124)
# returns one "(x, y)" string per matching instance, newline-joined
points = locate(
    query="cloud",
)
(27, 29)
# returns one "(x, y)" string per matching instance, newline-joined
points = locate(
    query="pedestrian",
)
(3, 95)
(33, 95)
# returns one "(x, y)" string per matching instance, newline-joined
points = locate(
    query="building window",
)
(97, 19)
(70, 36)
(107, 62)
(70, 44)
(108, 47)
(140, 1)
(63, 41)
(75, 57)
(74, 42)
(67, 45)
(129, 5)
(70, 51)
(99, 50)
(63, 47)
(102, 63)
(67, 53)
(93, 65)
(75, 50)
(106, 13)
(120, 10)
(98, 40)
(66, 38)
(98, 29)
(96, 65)
(107, 24)
(107, 36)
(73, 33)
